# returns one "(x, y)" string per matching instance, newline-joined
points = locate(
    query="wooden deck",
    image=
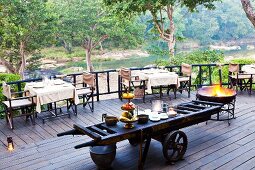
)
(212, 146)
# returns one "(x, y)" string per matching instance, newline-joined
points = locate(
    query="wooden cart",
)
(166, 131)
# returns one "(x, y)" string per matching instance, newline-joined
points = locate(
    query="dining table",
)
(158, 77)
(250, 68)
(51, 91)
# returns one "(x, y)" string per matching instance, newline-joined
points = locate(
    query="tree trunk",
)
(171, 30)
(23, 59)
(8, 65)
(249, 11)
(88, 49)
(101, 47)
(68, 47)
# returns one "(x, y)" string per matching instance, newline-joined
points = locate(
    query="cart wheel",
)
(175, 145)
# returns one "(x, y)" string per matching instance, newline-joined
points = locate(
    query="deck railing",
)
(202, 75)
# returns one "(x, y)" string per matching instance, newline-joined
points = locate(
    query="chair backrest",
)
(6, 90)
(233, 68)
(186, 69)
(125, 74)
(89, 79)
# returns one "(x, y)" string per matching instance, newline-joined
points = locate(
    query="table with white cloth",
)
(250, 69)
(51, 91)
(158, 77)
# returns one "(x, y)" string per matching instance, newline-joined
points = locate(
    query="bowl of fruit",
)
(128, 106)
(128, 118)
(128, 95)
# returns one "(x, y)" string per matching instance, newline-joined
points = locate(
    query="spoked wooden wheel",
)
(175, 146)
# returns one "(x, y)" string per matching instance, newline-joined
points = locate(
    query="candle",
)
(156, 105)
(171, 112)
(10, 145)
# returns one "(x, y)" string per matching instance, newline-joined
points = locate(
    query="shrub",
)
(7, 78)
(198, 57)
(195, 57)
(242, 61)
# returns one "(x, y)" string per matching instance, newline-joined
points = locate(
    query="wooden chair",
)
(129, 83)
(185, 78)
(238, 79)
(86, 92)
(25, 105)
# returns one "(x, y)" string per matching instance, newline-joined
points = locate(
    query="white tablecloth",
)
(52, 91)
(250, 69)
(157, 77)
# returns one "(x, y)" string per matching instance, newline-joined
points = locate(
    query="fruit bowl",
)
(127, 109)
(128, 95)
(129, 122)
(128, 106)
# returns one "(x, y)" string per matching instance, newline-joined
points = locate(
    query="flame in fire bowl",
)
(216, 94)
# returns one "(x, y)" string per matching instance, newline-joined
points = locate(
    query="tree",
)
(87, 22)
(248, 8)
(221, 24)
(25, 26)
(160, 10)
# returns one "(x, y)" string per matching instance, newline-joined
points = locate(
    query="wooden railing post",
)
(210, 75)
(200, 76)
(119, 87)
(108, 82)
(97, 86)
(19, 89)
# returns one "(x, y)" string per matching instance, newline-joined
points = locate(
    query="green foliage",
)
(6, 78)
(195, 57)
(163, 15)
(9, 77)
(32, 65)
(83, 20)
(25, 27)
(127, 8)
(242, 61)
(221, 24)
(199, 57)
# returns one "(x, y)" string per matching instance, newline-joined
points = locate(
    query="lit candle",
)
(156, 105)
(10, 145)
(171, 112)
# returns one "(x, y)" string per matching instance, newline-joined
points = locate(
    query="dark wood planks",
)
(211, 146)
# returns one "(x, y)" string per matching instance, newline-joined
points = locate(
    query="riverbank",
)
(116, 59)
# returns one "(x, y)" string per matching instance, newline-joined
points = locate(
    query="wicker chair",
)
(12, 103)
(238, 79)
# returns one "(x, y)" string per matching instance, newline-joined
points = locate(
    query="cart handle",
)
(86, 131)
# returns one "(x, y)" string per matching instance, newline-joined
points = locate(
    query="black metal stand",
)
(228, 109)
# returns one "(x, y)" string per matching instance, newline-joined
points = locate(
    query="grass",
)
(60, 53)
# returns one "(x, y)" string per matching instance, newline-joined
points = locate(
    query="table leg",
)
(54, 112)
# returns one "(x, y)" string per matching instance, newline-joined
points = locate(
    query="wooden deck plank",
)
(215, 145)
(224, 158)
(250, 164)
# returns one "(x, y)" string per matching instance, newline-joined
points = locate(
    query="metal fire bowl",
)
(204, 94)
